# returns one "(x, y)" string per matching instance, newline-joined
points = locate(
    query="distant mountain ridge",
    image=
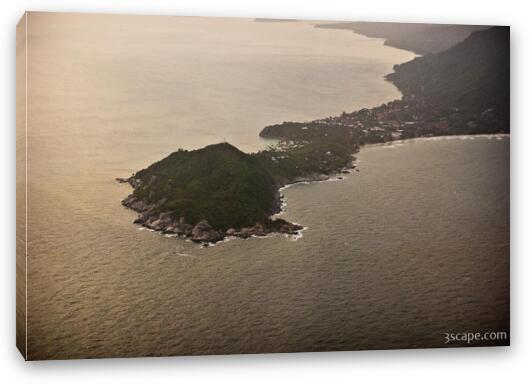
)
(472, 77)
(416, 37)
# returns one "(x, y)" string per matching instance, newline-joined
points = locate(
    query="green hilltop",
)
(218, 183)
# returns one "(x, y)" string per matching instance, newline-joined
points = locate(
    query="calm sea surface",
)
(413, 245)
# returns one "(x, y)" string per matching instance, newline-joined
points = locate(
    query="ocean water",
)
(413, 245)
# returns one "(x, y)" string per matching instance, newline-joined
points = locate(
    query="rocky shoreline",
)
(202, 232)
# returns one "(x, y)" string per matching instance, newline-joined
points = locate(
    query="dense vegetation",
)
(305, 153)
(219, 191)
(218, 183)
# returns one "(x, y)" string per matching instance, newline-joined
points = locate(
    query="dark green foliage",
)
(309, 160)
(229, 188)
(218, 183)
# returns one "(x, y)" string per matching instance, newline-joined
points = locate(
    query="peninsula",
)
(219, 191)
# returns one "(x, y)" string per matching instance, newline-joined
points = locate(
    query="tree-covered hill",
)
(217, 191)
(218, 183)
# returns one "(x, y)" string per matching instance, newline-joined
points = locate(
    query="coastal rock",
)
(208, 237)
(187, 228)
(203, 232)
(137, 205)
(258, 230)
(290, 229)
(170, 229)
(244, 233)
(178, 229)
(200, 227)
(141, 219)
(128, 200)
(165, 218)
(135, 183)
(157, 225)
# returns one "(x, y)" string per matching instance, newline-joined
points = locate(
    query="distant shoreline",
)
(419, 38)
(266, 20)
(352, 27)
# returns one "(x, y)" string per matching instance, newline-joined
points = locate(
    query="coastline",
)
(280, 206)
(341, 176)
(170, 200)
(348, 26)
(348, 171)
(209, 235)
(498, 136)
